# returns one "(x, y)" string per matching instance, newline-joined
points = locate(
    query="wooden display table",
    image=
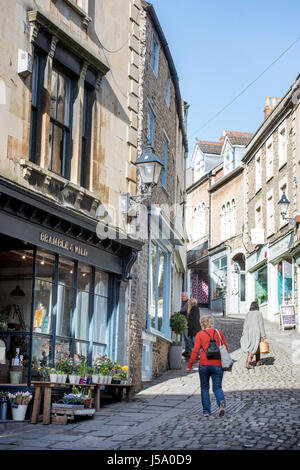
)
(48, 386)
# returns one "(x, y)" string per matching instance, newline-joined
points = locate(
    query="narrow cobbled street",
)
(263, 409)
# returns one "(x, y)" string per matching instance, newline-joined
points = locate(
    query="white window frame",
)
(270, 213)
(269, 158)
(232, 219)
(154, 54)
(258, 175)
(282, 145)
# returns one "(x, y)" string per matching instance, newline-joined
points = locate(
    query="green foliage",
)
(178, 324)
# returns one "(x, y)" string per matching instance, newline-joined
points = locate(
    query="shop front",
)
(258, 279)
(61, 288)
(219, 281)
(197, 262)
(282, 273)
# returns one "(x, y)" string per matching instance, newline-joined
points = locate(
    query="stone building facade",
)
(69, 98)
(271, 169)
(159, 270)
(216, 253)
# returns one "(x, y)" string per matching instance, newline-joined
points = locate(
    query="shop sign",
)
(287, 315)
(257, 236)
(256, 258)
(63, 244)
(281, 247)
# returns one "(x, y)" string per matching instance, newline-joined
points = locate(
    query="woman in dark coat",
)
(194, 320)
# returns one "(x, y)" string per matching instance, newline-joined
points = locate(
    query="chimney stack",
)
(269, 107)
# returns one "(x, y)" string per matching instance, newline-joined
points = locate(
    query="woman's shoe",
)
(259, 363)
(222, 408)
(249, 365)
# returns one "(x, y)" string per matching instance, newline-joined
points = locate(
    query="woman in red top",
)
(209, 367)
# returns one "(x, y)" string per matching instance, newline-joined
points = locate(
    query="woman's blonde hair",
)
(207, 321)
(194, 301)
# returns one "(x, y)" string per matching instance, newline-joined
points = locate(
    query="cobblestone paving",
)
(263, 407)
(263, 410)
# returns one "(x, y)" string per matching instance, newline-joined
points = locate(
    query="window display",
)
(261, 285)
(285, 282)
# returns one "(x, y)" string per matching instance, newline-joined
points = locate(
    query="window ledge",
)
(155, 332)
(85, 18)
(65, 192)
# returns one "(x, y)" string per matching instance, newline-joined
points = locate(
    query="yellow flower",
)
(125, 368)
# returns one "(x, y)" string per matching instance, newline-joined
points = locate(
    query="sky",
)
(219, 47)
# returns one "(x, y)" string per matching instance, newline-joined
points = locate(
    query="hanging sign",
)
(287, 315)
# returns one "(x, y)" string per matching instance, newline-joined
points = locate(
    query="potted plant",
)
(44, 371)
(116, 373)
(124, 378)
(178, 324)
(63, 365)
(53, 375)
(19, 402)
(3, 406)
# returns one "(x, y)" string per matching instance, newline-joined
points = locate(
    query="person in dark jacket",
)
(194, 320)
(185, 310)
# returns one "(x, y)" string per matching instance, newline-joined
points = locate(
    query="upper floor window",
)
(257, 171)
(165, 161)
(88, 100)
(61, 105)
(168, 89)
(155, 53)
(36, 107)
(282, 154)
(229, 162)
(269, 158)
(228, 220)
(151, 124)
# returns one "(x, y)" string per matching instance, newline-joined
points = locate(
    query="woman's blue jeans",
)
(216, 373)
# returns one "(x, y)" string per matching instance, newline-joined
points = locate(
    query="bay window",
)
(159, 288)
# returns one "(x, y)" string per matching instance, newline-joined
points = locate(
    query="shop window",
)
(261, 285)
(159, 300)
(16, 277)
(84, 288)
(219, 275)
(100, 313)
(44, 293)
(285, 282)
(65, 297)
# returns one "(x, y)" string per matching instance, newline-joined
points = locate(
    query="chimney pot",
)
(274, 102)
(268, 101)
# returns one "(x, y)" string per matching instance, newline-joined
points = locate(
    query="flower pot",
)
(109, 379)
(18, 413)
(59, 378)
(175, 356)
(95, 378)
(77, 379)
(83, 380)
(115, 380)
(3, 409)
(53, 378)
(72, 379)
(63, 378)
(15, 377)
